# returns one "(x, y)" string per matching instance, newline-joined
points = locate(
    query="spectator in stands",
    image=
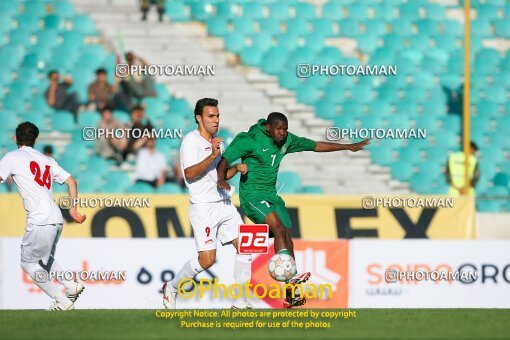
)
(137, 139)
(58, 95)
(137, 86)
(455, 172)
(110, 148)
(48, 151)
(146, 4)
(100, 92)
(150, 165)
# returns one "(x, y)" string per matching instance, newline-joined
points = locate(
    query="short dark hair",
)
(199, 106)
(275, 117)
(106, 108)
(474, 146)
(137, 108)
(100, 70)
(51, 73)
(48, 149)
(26, 134)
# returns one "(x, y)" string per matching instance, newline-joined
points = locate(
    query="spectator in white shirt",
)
(150, 165)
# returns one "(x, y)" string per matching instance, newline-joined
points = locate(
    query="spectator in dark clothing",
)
(102, 94)
(58, 95)
(48, 151)
(107, 147)
(137, 86)
(138, 139)
(146, 4)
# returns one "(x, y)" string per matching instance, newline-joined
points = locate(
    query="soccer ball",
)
(282, 267)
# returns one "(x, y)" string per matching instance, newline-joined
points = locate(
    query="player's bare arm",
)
(233, 170)
(199, 169)
(72, 189)
(330, 147)
(222, 175)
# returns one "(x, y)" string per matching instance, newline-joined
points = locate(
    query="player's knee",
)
(206, 261)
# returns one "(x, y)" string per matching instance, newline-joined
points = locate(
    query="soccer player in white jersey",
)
(212, 215)
(34, 174)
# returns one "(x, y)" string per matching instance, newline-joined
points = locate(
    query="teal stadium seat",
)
(217, 26)
(305, 10)
(402, 171)
(234, 41)
(253, 10)
(288, 183)
(88, 118)
(63, 8)
(270, 25)
(169, 188)
(279, 10)
(141, 188)
(176, 11)
(28, 21)
(252, 56)
(84, 24)
(54, 22)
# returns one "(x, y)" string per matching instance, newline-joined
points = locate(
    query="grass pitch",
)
(368, 323)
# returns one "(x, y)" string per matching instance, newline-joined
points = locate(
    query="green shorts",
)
(257, 210)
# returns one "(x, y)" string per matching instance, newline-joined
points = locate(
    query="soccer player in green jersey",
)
(262, 149)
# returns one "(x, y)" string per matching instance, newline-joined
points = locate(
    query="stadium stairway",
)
(243, 92)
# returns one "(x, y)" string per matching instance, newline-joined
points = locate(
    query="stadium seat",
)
(402, 26)
(488, 205)
(270, 25)
(288, 183)
(262, 41)
(217, 26)
(333, 11)
(279, 10)
(252, 56)
(402, 171)
(274, 60)
(176, 11)
(201, 10)
(235, 42)
(288, 41)
(253, 10)
(382, 156)
(116, 182)
(141, 188)
(84, 24)
(63, 121)
(312, 189)
(169, 188)
(289, 80)
(502, 29)
(305, 10)
(243, 25)
(63, 8)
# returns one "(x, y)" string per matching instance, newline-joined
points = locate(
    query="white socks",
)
(190, 269)
(55, 268)
(35, 271)
(242, 271)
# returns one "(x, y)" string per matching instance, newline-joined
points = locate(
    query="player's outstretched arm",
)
(233, 170)
(72, 188)
(330, 147)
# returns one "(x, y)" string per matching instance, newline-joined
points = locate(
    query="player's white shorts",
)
(212, 222)
(39, 242)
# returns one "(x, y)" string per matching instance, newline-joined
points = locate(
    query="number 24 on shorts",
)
(253, 239)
